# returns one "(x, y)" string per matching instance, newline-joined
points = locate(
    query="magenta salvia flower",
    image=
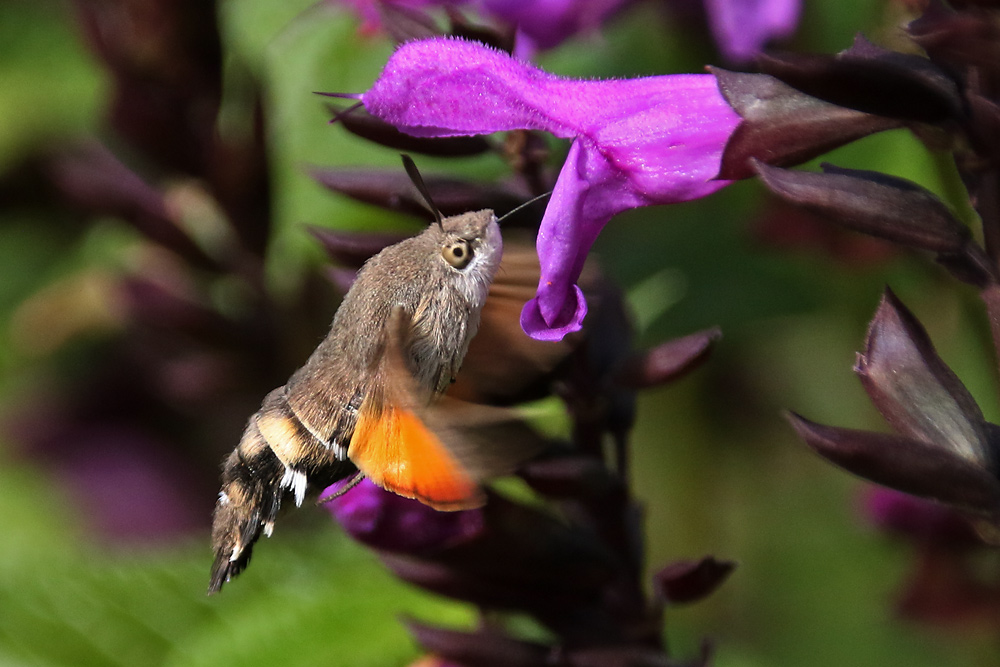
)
(636, 142)
(743, 27)
(382, 520)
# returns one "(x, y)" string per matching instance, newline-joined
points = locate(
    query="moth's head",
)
(471, 243)
(467, 247)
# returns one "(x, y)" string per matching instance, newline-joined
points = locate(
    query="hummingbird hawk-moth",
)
(362, 400)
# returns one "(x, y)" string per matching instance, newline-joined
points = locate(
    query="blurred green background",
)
(716, 466)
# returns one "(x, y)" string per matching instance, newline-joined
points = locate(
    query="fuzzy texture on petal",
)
(743, 27)
(655, 140)
(448, 87)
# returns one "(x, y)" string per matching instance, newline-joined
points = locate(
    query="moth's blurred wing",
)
(486, 441)
(437, 453)
(504, 364)
(397, 451)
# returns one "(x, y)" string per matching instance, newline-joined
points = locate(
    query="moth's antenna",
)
(525, 204)
(418, 182)
(341, 491)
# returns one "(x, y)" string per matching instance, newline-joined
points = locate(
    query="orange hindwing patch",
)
(397, 451)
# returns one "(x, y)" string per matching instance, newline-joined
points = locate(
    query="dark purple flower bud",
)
(915, 390)
(352, 248)
(165, 58)
(239, 178)
(521, 559)
(690, 581)
(547, 594)
(873, 80)
(991, 299)
(958, 38)
(884, 206)
(570, 476)
(361, 123)
(946, 450)
(668, 361)
(743, 27)
(91, 177)
(151, 303)
(383, 520)
(392, 190)
(482, 647)
(635, 143)
(905, 464)
(783, 126)
(986, 125)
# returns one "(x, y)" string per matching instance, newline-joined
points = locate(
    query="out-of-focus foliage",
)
(717, 469)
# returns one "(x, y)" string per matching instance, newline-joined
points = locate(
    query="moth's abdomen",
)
(249, 501)
(277, 456)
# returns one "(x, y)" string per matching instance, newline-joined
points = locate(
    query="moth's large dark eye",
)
(457, 253)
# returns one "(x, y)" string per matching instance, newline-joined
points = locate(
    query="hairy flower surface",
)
(636, 142)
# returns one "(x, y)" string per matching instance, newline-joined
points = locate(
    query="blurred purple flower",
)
(131, 489)
(383, 520)
(544, 24)
(540, 24)
(917, 519)
(743, 27)
(636, 142)
(947, 584)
